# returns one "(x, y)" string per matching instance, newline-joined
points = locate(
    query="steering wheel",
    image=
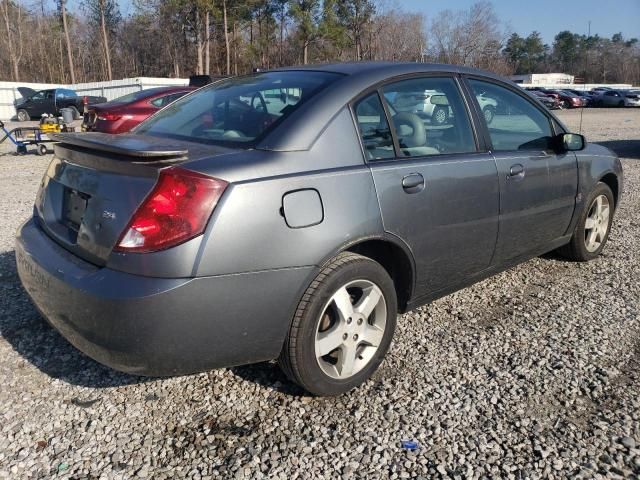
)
(263, 104)
(418, 137)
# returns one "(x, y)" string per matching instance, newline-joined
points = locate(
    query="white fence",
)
(113, 89)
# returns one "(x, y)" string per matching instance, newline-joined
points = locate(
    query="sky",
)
(549, 16)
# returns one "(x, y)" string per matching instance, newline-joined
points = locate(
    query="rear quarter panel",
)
(248, 231)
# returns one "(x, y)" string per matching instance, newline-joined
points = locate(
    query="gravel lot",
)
(530, 374)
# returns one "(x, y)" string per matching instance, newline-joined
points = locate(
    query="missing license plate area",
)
(75, 204)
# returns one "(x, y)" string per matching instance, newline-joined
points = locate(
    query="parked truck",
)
(34, 104)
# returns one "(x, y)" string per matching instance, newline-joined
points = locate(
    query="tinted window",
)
(239, 110)
(65, 93)
(429, 117)
(374, 129)
(166, 100)
(517, 123)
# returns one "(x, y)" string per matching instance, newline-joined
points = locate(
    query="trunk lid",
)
(96, 181)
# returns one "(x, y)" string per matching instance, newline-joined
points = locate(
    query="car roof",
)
(388, 68)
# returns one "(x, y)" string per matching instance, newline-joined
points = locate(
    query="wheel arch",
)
(396, 258)
(611, 180)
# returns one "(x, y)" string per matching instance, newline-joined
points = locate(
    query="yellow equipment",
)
(50, 124)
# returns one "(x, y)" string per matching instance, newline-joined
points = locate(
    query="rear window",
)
(130, 97)
(237, 111)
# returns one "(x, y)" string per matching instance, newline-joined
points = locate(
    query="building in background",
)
(543, 78)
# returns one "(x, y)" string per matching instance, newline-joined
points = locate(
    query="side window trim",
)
(392, 130)
(354, 116)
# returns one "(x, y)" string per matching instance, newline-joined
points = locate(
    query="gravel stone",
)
(531, 374)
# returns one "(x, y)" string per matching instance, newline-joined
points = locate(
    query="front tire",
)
(342, 328)
(489, 113)
(593, 227)
(23, 115)
(440, 116)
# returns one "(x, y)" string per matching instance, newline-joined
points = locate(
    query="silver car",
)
(433, 105)
(292, 214)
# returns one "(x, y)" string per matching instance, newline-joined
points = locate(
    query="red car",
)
(569, 99)
(124, 113)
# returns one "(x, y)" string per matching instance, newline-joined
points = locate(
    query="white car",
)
(435, 105)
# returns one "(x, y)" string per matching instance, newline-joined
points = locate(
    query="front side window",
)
(429, 117)
(517, 124)
(374, 129)
(237, 111)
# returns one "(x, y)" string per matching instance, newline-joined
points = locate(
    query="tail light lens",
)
(109, 117)
(177, 209)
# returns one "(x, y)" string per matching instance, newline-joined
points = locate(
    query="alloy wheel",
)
(596, 224)
(350, 329)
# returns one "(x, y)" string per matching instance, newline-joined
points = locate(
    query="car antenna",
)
(584, 78)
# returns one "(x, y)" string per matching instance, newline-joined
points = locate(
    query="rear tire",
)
(350, 307)
(42, 149)
(592, 230)
(23, 115)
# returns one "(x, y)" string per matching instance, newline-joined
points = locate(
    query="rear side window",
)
(374, 129)
(237, 111)
(517, 124)
(429, 117)
(166, 100)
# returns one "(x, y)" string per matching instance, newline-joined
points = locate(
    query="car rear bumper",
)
(158, 326)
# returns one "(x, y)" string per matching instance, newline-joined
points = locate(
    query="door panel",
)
(536, 206)
(451, 225)
(537, 185)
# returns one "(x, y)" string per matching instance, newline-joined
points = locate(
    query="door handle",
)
(413, 183)
(516, 170)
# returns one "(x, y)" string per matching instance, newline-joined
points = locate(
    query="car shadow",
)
(623, 148)
(22, 326)
(268, 375)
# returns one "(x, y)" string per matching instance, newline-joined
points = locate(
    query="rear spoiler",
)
(134, 146)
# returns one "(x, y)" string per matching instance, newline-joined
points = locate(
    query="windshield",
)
(237, 111)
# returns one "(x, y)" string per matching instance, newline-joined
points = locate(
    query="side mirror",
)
(570, 142)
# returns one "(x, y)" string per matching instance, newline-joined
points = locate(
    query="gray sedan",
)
(292, 214)
(618, 98)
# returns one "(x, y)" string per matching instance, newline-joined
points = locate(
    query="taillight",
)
(110, 117)
(177, 209)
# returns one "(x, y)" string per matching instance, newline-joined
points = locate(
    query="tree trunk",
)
(63, 12)
(207, 53)
(235, 49)
(12, 53)
(305, 52)
(226, 36)
(105, 40)
(199, 44)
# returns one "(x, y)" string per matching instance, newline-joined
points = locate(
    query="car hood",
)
(26, 93)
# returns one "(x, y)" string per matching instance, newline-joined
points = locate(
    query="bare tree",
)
(14, 35)
(65, 28)
(226, 37)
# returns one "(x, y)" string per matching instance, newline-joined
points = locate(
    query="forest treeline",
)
(94, 41)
